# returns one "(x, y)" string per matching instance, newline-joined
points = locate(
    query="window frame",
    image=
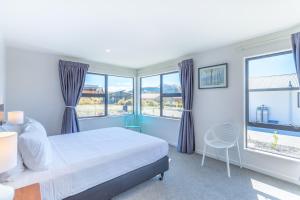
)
(133, 92)
(101, 95)
(140, 96)
(105, 96)
(247, 90)
(161, 94)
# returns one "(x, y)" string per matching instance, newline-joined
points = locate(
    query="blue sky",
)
(276, 65)
(115, 83)
(121, 83)
(151, 81)
(154, 81)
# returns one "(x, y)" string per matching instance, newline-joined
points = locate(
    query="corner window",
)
(161, 95)
(120, 95)
(92, 100)
(272, 104)
(104, 95)
(171, 95)
(150, 95)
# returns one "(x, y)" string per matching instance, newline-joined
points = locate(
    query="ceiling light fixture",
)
(107, 50)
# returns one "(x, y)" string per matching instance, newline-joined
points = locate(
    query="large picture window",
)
(92, 100)
(120, 95)
(272, 104)
(171, 95)
(150, 95)
(161, 95)
(105, 95)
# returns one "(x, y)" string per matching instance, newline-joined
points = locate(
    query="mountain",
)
(171, 89)
(150, 90)
(167, 89)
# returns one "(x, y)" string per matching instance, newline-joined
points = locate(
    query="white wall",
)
(2, 70)
(165, 128)
(213, 106)
(33, 86)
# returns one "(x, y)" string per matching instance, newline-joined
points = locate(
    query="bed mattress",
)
(86, 159)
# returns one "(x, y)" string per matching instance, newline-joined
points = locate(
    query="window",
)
(92, 100)
(272, 104)
(150, 95)
(161, 95)
(171, 95)
(120, 95)
(105, 95)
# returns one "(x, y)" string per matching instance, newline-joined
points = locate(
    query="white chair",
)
(223, 136)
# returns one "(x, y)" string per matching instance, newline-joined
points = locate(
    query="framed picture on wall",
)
(214, 76)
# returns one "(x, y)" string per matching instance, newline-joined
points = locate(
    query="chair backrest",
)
(133, 120)
(227, 132)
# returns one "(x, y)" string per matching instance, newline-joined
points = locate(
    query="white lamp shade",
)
(15, 117)
(8, 151)
(1, 116)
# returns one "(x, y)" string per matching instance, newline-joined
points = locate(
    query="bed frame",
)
(113, 187)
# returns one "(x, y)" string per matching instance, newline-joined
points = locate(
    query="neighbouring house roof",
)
(272, 82)
(92, 89)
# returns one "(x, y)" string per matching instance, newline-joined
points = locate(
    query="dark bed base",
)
(113, 187)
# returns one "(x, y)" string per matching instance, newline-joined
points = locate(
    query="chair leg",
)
(161, 176)
(217, 153)
(203, 156)
(238, 148)
(227, 162)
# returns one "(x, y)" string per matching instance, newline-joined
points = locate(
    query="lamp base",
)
(6, 192)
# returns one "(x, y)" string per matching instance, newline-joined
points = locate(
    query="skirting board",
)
(251, 167)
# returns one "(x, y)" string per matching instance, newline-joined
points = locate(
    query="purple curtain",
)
(296, 50)
(186, 139)
(72, 77)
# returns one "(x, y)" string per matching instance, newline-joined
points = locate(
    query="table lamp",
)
(15, 117)
(8, 160)
(14, 121)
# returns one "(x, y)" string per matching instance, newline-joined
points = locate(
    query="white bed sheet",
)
(86, 159)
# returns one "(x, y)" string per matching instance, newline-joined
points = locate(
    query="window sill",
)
(162, 117)
(102, 117)
(272, 155)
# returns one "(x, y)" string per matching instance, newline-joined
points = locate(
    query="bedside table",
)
(30, 192)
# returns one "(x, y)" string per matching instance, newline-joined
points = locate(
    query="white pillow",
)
(29, 122)
(35, 147)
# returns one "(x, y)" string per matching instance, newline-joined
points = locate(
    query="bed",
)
(98, 164)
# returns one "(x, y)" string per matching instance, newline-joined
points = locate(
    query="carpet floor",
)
(186, 180)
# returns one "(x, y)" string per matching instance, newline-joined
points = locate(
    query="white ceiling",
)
(140, 32)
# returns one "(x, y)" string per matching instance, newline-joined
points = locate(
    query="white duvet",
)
(86, 159)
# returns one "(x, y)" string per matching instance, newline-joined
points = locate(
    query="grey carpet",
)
(186, 180)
